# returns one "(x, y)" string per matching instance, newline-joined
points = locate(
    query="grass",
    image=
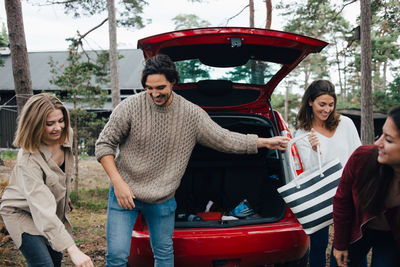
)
(92, 199)
(9, 154)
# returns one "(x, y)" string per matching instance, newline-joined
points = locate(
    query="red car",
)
(228, 210)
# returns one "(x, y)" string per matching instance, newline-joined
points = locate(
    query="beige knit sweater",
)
(155, 143)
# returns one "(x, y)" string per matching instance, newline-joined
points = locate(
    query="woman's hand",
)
(341, 257)
(313, 138)
(276, 142)
(79, 258)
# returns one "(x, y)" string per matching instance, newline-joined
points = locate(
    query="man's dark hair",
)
(160, 64)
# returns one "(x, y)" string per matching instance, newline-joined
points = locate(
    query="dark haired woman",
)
(366, 207)
(337, 137)
(35, 202)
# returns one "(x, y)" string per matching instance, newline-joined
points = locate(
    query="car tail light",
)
(297, 162)
(295, 154)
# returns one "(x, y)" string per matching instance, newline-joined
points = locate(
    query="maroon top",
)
(348, 220)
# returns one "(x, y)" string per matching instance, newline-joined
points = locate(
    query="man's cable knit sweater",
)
(155, 143)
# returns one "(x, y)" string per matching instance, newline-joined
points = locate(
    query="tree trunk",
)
(76, 151)
(384, 78)
(268, 23)
(286, 115)
(19, 53)
(367, 122)
(251, 8)
(112, 32)
(339, 72)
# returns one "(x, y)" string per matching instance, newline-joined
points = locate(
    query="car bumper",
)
(248, 246)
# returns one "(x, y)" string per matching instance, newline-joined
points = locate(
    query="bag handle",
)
(291, 160)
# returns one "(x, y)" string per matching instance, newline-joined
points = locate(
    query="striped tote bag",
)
(310, 194)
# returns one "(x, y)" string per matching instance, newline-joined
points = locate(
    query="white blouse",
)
(341, 145)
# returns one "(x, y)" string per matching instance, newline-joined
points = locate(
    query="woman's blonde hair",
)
(32, 121)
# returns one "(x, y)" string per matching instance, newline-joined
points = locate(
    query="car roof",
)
(234, 46)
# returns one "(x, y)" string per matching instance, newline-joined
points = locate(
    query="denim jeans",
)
(384, 249)
(160, 219)
(318, 244)
(38, 253)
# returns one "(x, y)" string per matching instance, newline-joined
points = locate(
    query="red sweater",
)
(348, 221)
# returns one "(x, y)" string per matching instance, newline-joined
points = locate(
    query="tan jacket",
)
(36, 199)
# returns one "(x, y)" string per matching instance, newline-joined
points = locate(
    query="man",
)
(156, 131)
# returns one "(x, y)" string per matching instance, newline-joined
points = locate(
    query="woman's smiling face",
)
(322, 107)
(389, 144)
(54, 127)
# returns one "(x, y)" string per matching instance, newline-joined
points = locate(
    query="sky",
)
(47, 27)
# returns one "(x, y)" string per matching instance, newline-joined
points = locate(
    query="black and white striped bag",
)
(310, 194)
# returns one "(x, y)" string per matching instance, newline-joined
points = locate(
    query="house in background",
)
(130, 68)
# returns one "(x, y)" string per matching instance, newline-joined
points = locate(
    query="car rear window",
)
(253, 72)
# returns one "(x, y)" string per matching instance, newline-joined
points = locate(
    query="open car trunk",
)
(229, 179)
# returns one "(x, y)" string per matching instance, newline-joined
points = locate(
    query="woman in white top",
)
(337, 137)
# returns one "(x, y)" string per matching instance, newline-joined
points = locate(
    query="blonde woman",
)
(35, 202)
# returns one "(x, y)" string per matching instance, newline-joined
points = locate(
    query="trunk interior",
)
(229, 179)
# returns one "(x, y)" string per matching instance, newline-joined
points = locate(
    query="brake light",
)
(295, 154)
(297, 162)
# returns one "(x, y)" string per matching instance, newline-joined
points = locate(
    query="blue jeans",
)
(38, 253)
(384, 249)
(318, 244)
(160, 219)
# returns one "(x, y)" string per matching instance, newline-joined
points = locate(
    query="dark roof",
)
(357, 113)
(130, 68)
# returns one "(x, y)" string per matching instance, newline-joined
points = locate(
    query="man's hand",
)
(122, 191)
(342, 257)
(277, 142)
(79, 258)
(124, 194)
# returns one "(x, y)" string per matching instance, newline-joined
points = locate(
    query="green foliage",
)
(318, 19)
(81, 241)
(89, 127)
(4, 42)
(129, 11)
(81, 83)
(91, 199)
(9, 154)
(384, 100)
(187, 21)
(255, 72)
(278, 103)
(191, 70)
(385, 48)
